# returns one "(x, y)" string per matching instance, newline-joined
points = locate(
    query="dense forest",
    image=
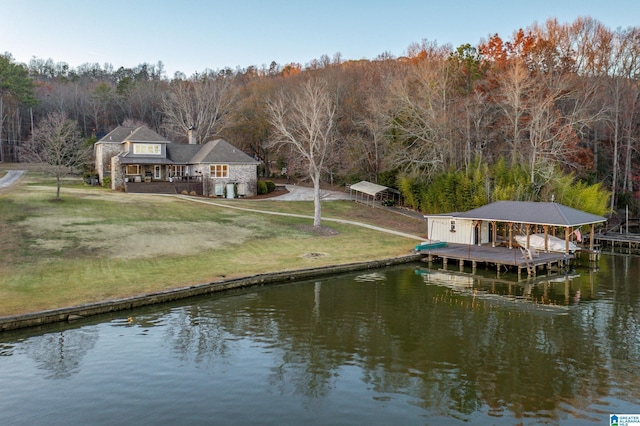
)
(550, 113)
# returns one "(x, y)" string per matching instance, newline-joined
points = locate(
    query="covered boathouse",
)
(519, 234)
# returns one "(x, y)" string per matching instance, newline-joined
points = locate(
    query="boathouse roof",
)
(535, 213)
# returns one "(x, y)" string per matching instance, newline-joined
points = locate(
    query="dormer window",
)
(147, 148)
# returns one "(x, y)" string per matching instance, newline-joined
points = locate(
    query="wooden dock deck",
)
(497, 256)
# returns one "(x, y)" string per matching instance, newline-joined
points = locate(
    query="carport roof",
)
(368, 188)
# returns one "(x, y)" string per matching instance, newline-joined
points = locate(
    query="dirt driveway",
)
(10, 178)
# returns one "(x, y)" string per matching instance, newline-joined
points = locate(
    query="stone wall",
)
(238, 173)
(103, 154)
(40, 319)
(117, 177)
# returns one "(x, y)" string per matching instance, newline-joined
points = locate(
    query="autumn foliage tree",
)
(557, 99)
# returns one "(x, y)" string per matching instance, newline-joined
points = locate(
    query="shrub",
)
(262, 188)
(106, 182)
(89, 178)
(410, 191)
(270, 186)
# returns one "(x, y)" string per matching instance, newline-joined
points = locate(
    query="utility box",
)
(230, 191)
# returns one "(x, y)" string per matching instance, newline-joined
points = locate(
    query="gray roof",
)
(535, 213)
(221, 151)
(215, 151)
(145, 134)
(182, 154)
(133, 134)
(117, 135)
(144, 160)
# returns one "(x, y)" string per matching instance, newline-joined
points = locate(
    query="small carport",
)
(368, 192)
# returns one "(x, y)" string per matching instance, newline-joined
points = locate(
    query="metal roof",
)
(535, 213)
(368, 188)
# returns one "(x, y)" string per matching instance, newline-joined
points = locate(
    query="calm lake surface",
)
(401, 346)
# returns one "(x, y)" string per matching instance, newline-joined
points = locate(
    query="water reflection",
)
(404, 343)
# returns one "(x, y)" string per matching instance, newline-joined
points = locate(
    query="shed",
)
(368, 192)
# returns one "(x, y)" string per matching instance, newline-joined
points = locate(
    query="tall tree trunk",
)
(1, 127)
(614, 178)
(317, 209)
(58, 186)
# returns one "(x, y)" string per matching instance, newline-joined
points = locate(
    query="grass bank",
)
(98, 244)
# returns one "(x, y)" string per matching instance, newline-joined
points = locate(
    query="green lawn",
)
(99, 244)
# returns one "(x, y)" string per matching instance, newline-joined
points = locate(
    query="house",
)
(480, 226)
(138, 154)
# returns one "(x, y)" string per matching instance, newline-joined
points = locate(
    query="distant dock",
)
(617, 240)
(497, 257)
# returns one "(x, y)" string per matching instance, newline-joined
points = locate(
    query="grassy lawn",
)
(98, 244)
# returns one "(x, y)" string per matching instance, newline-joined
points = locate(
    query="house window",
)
(219, 170)
(177, 171)
(453, 226)
(147, 148)
(133, 169)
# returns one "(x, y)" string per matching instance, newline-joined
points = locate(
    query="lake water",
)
(402, 346)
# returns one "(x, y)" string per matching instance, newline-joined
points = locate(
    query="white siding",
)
(455, 230)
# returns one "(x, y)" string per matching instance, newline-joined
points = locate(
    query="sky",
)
(190, 36)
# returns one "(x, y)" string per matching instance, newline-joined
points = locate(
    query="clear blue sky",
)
(192, 35)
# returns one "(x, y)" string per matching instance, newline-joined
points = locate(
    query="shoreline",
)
(73, 313)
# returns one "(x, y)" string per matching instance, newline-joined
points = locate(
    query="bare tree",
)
(304, 120)
(249, 125)
(517, 83)
(422, 124)
(100, 103)
(57, 146)
(202, 106)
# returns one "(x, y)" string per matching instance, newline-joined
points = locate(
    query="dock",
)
(498, 257)
(617, 240)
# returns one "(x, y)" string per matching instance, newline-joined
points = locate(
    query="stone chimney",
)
(190, 134)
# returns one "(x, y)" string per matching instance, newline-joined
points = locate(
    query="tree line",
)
(551, 104)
